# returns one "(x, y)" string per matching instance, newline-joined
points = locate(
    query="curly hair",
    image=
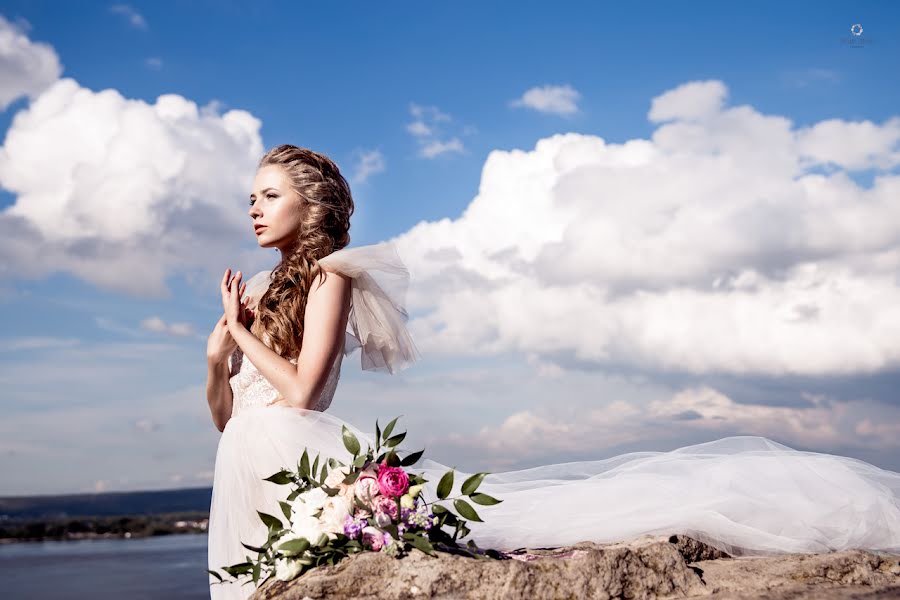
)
(326, 207)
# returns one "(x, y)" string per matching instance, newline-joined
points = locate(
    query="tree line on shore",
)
(82, 527)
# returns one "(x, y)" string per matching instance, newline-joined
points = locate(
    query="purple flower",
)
(352, 527)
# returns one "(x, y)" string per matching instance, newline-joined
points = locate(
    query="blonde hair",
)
(326, 207)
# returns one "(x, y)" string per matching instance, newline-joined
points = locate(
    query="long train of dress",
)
(746, 495)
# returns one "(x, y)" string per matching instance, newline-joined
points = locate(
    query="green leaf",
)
(315, 466)
(286, 509)
(256, 572)
(484, 499)
(360, 461)
(304, 464)
(445, 485)
(390, 427)
(438, 509)
(238, 569)
(281, 477)
(466, 510)
(253, 548)
(351, 477)
(270, 521)
(422, 544)
(393, 441)
(411, 459)
(377, 434)
(350, 441)
(392, 460)
(216, 575)
(293, 547)
(471, 484)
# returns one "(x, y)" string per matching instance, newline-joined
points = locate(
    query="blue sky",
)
(447, 119)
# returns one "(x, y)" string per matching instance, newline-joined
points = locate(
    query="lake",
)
(170, 567)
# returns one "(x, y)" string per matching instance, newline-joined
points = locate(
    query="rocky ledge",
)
(647, 567)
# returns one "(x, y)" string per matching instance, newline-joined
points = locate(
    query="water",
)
(169, 567)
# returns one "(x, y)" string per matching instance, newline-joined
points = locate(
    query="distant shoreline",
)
(102, 527)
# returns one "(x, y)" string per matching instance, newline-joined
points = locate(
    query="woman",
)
(274, 364)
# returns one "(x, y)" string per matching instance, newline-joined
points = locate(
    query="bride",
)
(275, 359)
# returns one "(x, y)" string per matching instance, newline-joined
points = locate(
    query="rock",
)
(647, 567)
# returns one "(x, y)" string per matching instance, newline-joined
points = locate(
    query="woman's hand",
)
(236, 311)
(220, 344)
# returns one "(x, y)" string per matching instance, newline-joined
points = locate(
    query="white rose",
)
(307, 503)
(335, 477)
(307, 527)
(334, 512)
(285, 569)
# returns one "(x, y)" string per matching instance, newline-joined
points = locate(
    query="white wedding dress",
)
(746, 495)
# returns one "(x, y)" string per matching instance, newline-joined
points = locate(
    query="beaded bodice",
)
(249, 387)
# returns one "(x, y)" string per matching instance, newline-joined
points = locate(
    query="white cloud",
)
(26, 67)
(689, 102)
(553, 99)
(154, 63)
(134, 18)
(158, 325)
(120, 192)
(823, 423)
(810, 76)
(370, 162)
(713, 246)
(428, 132)
(435, 148)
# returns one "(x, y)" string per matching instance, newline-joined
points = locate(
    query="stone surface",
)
(647, 567)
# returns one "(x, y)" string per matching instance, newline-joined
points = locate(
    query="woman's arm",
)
(324, 327)
(218, 392)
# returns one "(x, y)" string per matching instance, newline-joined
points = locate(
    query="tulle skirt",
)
(746, 495)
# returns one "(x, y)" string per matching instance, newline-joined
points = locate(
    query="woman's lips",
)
(258, 229)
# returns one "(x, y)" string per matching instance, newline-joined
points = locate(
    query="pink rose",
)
(392, 481)
(372, 537)
(367, 490)
(386, 505)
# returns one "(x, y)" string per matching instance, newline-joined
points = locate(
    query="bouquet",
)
(371, 504)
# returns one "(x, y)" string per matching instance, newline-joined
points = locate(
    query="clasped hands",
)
(237, 312)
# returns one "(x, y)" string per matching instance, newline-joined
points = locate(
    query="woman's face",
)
(275, 209)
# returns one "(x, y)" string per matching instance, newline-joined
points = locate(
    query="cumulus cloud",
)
(552, 99)
(121, 192)
(26, 67)
(717, 245)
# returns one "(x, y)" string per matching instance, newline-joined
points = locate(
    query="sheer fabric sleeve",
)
(378, 315)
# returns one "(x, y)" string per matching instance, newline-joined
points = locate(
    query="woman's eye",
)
(251, 202)
(271, 196)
